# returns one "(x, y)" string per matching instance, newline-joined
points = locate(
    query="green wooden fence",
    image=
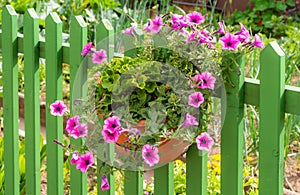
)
(270, 94)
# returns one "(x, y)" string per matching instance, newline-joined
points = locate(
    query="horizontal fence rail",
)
(251, 86)
(270, 95)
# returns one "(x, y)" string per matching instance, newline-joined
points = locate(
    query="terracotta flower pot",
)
(169, 149)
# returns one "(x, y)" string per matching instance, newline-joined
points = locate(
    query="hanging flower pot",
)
(147, 106)
(169, 149)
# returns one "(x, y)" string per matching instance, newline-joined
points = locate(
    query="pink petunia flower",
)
(203, 39)
(156, 24)
(178, 22)
(175, 18)
(184, 22)
(195, 18)
(129, 31)
(58, 108)
(229, 41)
(104, 183)
(175, 26)
(258, 42)
(99, 56)
(192, 37)
(204, 141)
(85, 161)
(221, 29)
(150, 155)
(196, 99)
(72, 123)
(79, 131)
(110, 135)
(148, 27)
(112, 123)
(208, 81)
(196, 80)
(204, 32)
(243, 34)
(190, 120)
(74, 158)
(87, 49)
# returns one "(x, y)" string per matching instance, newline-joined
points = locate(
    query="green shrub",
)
(22, 165)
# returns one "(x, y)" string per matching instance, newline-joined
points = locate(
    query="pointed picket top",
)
(8, 9)
(272, 48)
(105, 38)
(78, 20)
(31, 13)
(54, 18)
(105, 23)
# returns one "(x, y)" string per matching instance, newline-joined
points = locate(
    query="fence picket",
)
(54, 125)
(78, 38)
(271, 148)
(164, 179)
(232, 134)
(32, 102)
(196, 172)
(10, 100)
(105, 40)
(133, 183)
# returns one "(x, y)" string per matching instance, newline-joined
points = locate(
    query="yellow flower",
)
(217, 170)
(179, 162)
(249, 158)
(208, 165)
(217, 157)
(216, 164)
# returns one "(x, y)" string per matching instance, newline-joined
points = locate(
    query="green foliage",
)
(22, 164)
(141, 82)
(291, 46)
(267, 16)
(93, 11)
(22, 5)
(147, 96)
(250, 181)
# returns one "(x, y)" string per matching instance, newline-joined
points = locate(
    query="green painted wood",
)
(292, 97)
(196, 171)
(251, 91)
(65, 48)
(78, 38)
(32, 102)
(164, 179)
(129, 45)
(232, 138)
(251, 85)
(105, 40)
(105, 37)
(54, 125)
(10, 100)
(133, 183)
(271, 131)
(106, 152)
